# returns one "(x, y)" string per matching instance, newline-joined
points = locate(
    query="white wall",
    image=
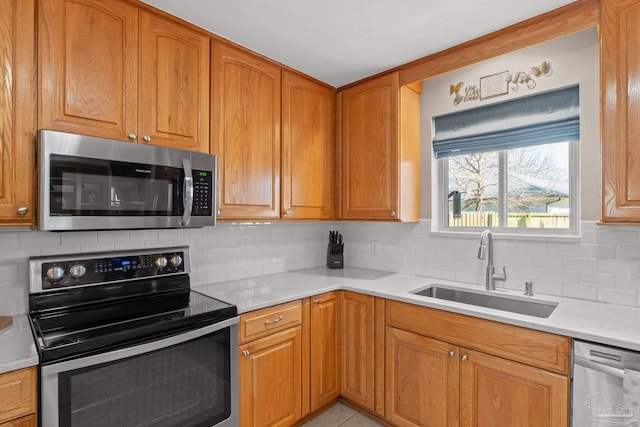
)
(574, 59)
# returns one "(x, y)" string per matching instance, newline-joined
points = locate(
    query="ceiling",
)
(341, 41)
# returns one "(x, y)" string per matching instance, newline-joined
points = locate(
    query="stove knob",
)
(55, 273)
(176, 260)
(161, 262)
(76, 271)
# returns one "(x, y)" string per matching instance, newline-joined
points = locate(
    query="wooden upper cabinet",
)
(308, 149)
(88, 67)
(109, 70)
(380, 151)
(17, 121)
(174, 84)
(246, 133)
(620, 109)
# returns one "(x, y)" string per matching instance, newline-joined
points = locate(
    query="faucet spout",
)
(485, 250)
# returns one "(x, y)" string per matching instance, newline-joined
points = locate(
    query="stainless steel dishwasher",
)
(600, 376)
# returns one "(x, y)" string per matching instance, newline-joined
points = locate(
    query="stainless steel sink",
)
(509, 303)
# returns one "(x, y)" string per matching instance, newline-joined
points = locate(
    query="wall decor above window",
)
(499, 84)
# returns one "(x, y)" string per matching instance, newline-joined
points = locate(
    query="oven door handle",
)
(123, 353)
(187, 194)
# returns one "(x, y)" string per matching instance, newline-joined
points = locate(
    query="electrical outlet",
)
(375, 248)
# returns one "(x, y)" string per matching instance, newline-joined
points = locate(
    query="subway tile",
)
(580, 292)
(617, 237)
(580, 264)
(597, 280)
(619, 297)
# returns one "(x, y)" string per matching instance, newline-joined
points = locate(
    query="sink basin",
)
(509, 303)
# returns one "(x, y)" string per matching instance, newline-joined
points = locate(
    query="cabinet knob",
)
(452, 353)
(219, 212)
(246, 353)
(316, 301)
(393, 213)
(146, 138)
(287, 212)
(132, 136)
(464, 357)
(23, 210)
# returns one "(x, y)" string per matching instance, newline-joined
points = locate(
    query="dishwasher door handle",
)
(590, 364)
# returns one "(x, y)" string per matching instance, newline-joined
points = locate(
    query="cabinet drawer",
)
(260, 323)
(535, 348)
(17, 394)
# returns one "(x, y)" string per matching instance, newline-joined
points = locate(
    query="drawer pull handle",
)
(276, 320)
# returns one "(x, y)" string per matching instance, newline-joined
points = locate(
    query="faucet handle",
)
(502, 277)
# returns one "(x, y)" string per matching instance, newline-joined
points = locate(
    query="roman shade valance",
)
(533, 120)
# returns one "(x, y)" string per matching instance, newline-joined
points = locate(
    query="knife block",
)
(334, 261)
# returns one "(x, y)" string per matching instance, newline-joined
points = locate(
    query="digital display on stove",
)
(120, 263)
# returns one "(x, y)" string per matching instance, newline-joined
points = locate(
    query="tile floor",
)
(343, 416)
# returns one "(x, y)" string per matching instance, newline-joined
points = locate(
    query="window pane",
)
(475, 176)
(538, 186)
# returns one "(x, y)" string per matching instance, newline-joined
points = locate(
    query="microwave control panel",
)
(202, 193)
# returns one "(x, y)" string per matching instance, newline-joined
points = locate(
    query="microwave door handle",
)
(187, 195)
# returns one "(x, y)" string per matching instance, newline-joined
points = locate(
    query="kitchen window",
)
(510, 166)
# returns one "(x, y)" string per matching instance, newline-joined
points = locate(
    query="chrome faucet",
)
(486, 245)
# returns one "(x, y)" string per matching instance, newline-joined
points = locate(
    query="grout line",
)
(353, 415)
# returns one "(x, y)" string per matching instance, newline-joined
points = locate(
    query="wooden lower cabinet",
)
(270, 380)
(325, 349)
(18, 397)
(498, 392)
(29, 421)
(422, 377)
(358, 364)
(436, 374)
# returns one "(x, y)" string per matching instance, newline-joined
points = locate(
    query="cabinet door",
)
(18, 393)
(358, 349)
(17, 125)
(422, 380)
(174, 84)
(269, 372)
(619, 75)
(496, 392)
(29, 421)
(370, 150)
(246, 134)
(308, 149)
(88, 67)
(325, 349)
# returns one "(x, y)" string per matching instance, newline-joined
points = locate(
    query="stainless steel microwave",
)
(89, 183)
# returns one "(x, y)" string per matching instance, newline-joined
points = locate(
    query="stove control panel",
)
(92, 269)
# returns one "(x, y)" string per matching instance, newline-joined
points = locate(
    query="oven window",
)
(184, 385)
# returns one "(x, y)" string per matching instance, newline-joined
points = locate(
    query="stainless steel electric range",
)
(124, 341)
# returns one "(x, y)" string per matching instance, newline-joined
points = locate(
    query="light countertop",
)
(599, 322)
(18, 348)
(593, 321)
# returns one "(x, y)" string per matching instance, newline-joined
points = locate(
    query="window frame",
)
(442, 206)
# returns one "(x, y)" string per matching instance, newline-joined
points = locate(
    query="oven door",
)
(184, 380)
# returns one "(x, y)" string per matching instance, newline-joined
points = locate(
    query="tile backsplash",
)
(604, 265)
